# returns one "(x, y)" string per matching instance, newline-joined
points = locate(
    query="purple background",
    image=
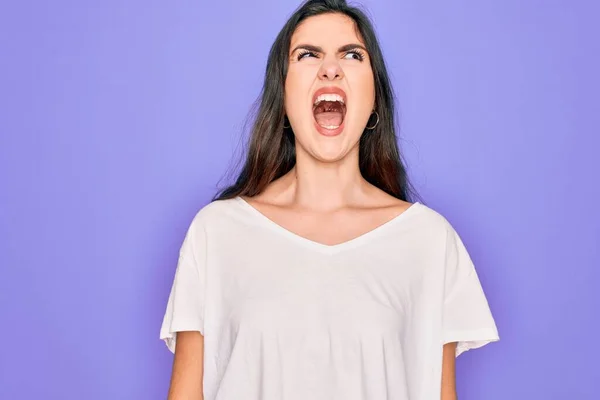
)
(117, 119)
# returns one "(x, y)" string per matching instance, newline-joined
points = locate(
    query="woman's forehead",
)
(332, 28)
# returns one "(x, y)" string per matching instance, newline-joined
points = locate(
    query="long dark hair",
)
(272, 151)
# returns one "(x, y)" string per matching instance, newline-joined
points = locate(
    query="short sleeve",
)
(467, 318)
(185, 306)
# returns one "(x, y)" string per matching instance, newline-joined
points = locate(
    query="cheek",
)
(367, 89)
(296, 88)
(363, 96)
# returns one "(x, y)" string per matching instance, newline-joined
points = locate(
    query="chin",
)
(331, 148)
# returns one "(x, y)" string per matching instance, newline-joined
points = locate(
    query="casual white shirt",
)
(287, 318)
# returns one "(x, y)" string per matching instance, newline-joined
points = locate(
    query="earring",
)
(284, 120)
(373, 127)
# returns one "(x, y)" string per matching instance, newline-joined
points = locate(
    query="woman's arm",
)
(449, 372)
(188, 369)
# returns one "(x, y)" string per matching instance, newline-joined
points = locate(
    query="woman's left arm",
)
(449, 372)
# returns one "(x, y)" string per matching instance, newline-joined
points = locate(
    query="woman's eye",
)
(306, 54)
(355, 55)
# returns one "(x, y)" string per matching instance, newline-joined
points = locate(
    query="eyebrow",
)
(318, 49)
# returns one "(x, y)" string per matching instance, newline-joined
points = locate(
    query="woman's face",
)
(329, 88)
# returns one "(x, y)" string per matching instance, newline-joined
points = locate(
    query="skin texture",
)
(188, 368)
(324, 198)
(449, 372)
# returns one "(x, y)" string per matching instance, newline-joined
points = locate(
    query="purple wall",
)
(117, 120)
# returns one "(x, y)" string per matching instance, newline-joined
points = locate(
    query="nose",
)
(330, 70)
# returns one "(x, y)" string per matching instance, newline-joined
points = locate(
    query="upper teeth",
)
(329, 97)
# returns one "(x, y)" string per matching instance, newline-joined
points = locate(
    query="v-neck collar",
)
(362, 238)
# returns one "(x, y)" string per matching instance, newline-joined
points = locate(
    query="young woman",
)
(314, 276)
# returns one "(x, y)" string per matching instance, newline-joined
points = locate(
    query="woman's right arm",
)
(188, 369)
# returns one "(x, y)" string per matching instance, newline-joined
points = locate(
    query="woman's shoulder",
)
(434, 222)
(216, 212)
(431, 216)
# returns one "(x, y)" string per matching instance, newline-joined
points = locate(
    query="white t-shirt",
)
(287, 318)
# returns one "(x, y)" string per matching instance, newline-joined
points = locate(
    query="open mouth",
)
(329, 108)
